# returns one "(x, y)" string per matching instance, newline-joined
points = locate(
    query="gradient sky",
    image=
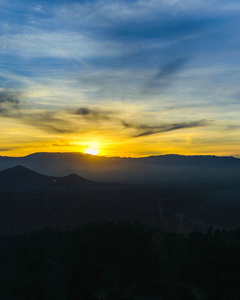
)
(128, 78)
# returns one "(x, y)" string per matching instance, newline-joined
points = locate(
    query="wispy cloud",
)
(9, 149)
(49, 121)
(56, 121)
(9, 103)
(164, 77)
(8, 97)
(11, 107)
(144, 130)
(92, 114)
(62, 121)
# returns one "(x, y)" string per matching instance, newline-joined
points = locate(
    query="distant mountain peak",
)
(76, 179)
(19, 167)
(20, 178)
(73, 175)
(22, 174)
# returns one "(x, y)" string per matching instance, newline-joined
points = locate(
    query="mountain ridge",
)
(20, 178)
(35, 154)
(162, 170)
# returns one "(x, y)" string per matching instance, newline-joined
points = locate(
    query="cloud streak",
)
(9, 103)
(145, 130)
(92, 114)
(164, 76)
(61, 121)
(48, 121)
(11, 107)
(52, 121)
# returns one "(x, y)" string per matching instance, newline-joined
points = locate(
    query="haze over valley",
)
(177, 193)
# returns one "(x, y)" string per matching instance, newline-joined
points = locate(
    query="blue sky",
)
(162, 75)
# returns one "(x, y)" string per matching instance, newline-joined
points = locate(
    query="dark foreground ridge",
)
(19, 179)
(123, 261)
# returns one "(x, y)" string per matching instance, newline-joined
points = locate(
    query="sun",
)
(91, 151)
(92, 148)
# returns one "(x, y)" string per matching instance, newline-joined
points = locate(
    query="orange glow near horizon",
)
(114, 152)
(117, 144)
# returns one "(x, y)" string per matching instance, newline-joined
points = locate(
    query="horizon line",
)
(104, 156)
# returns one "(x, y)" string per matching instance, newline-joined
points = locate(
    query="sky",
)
(120, 78)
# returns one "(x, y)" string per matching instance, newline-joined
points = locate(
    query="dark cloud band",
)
(9, 103)
(144, 130)
(92, 114)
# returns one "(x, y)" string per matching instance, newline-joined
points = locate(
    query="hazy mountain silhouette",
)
(20, 178)
(163, 170)
(195, 160)
(179, 201)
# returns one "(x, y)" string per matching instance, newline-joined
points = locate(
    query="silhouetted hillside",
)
(20, 178)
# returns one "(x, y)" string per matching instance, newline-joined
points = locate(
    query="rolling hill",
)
(20, 178)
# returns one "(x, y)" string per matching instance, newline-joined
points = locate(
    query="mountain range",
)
(162, 171)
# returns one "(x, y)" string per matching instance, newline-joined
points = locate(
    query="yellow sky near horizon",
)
(24, 139)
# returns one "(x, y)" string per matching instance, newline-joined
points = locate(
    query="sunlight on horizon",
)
(91, 151)
(92, 148)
